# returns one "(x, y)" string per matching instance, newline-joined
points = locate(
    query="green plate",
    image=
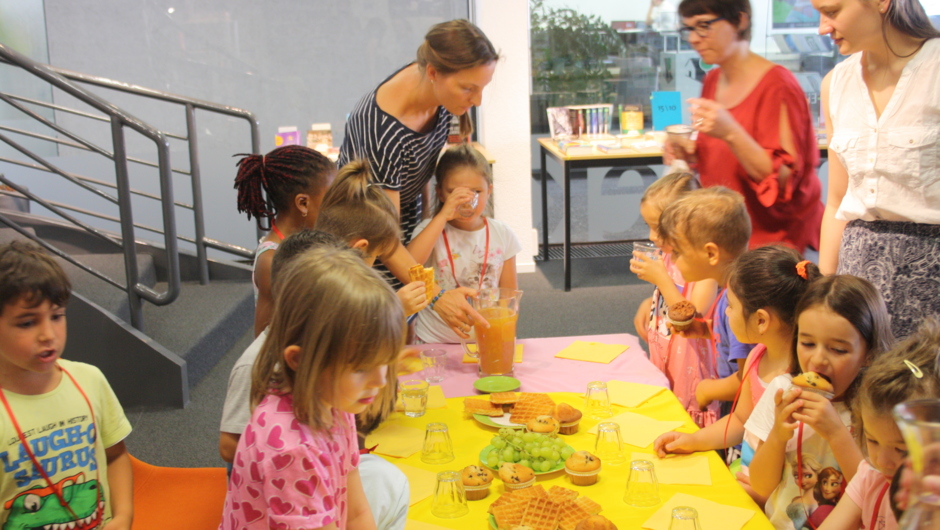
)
(496, 383)
(488, 421)
(486, 451)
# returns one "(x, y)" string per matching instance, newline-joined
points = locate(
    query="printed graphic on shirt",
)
(40, 507)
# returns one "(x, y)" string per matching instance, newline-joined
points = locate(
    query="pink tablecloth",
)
(541, 371)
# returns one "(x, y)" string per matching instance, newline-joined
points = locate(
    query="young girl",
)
(465, 248)
(335, 334)
(684, 361)
(294, 179)
(842, 325)
(763, 290)
(357, 211)
(907, 372)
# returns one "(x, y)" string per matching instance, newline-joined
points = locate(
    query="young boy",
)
(706, 230)
(59, 414)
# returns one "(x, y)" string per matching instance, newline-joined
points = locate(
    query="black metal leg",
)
(567, 242)
(544, 252)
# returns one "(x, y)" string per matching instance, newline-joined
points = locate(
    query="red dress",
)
(792, 214)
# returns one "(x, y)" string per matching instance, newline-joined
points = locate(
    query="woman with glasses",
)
(882, 107)
(755, 132)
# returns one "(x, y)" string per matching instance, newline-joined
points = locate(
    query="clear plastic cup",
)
(684, 518)
(437, 449)
(435, 362)
(642, 487)
(414, 396)
(609, 445)
(450, 499)
(597, 401)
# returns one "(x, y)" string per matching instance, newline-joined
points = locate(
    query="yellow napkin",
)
(712, 515)
(396, 440)
(421, 482)
(639, 430)
(595, 352)
(410, 365)
(679, 469)
(631, 395)
(411, 524)
(436, 399)
(473, 347)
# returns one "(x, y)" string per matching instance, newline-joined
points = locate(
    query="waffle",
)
(536, 397)
(571, 515)
(482, 406)
(541, 514)
(419, 273)
(527, 409)
(505, 498)
(560, 494)
(510, 515)
(504, 398)
(589, 506)
(532, 492)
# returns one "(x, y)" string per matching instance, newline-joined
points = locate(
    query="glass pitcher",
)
(496, 345)
(919, 422)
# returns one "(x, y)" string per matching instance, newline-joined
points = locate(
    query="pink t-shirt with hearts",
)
(287, 476)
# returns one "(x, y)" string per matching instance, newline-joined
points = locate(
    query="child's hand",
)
(673, 443)
(786, 402)
(453, 202)
(703, 393)
(818, 413)
(412, 297)
(699, 329)
(649, 269)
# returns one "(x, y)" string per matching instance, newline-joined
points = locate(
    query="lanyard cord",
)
(709, 321)
(276, 231)
(744, 381)
(881, 497)
(486, 255)
(32, 457)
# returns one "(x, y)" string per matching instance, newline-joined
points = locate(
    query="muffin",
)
(543, 425)
(583, 468)
(681, 315)
(569, 418)
(476, 482)
(596, 522)
(814, 383)
(515, 476)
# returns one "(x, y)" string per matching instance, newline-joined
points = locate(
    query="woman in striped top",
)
(402, 125)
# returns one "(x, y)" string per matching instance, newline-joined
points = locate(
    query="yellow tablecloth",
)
(470, 437)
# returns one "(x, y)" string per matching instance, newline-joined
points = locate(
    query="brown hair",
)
(767, 278)
(281, 175)
(342, 315)
(356, 207)
(456, 157)
(668, 188)
(28, 273)
(298, 243)
(730, 10)
(709, 215)
(908, 17)
(453, 46)
(823, 475)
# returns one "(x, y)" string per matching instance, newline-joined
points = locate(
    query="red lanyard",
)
(32, 457)
(761, 350)
(709, 320)
(276, 231)
(486, 255)
(881, 497)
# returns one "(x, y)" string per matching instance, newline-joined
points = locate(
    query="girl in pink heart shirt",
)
(336, 332)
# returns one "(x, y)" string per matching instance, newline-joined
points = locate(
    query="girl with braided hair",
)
(286, 187)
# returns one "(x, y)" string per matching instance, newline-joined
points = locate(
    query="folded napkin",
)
(679, 469)
(396, 440)
(421, 482)
(639, 430)
(631, 395)
(473, 347)
(712, 515)
(595, 352)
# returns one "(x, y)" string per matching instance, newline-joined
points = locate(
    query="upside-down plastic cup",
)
(642, 487)
(450, 500)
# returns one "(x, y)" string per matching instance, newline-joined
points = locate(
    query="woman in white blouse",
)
(882, 107)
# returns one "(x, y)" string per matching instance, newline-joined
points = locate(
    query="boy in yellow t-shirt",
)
(62, 452)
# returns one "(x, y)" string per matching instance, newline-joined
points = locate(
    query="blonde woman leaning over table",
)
(753, 112)
(882, 108)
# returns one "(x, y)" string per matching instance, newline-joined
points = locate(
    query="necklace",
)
(486, 255)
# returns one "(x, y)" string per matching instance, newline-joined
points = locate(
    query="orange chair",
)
(177, 498)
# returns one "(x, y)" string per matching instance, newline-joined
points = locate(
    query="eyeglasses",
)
(702, 29)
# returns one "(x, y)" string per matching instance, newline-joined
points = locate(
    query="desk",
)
(541, 371)
(469, 437)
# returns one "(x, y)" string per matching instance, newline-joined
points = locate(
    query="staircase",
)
(150, 307)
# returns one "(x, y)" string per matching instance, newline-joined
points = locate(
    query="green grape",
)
(546, 443)
(545, 466)
(559, 443)
(525, 463)
(555, 455)
(516, 456)
(529, 447)
(517, 441)
(492, 460)
(528, 437)
(567, 452)
(499, 443)
(494, 440)
(507, 454)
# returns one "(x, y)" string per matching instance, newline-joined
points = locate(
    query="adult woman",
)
(882, 111)
(755, 112)
(401, 126)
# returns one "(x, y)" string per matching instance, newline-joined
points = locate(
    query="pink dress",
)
(685, 362)
(287, 476)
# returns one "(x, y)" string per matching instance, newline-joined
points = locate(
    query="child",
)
(294, 179)
(907, 372)
(63, 454)
(706, 231)
(842, 325)
(336, 331)
(357, 211)
(763, 291)
(465, 248)
(684, 361)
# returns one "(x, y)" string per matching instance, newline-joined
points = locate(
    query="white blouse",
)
(893, 162)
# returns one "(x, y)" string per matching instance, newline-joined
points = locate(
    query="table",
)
(470, 437)
(541, 371)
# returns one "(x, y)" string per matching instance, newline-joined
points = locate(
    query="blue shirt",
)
(729, 349)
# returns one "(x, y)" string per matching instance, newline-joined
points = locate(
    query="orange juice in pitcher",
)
(497, 344)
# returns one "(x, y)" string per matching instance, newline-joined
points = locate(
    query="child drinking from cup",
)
(465, 248)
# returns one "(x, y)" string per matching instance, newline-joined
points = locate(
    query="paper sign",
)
(679, 469)
(421, 483)
(631, 395)
(639, 430)
(287, 136)
(473, 347)
(396, 440)
(667, 109)
(711, 515)
(595, 352)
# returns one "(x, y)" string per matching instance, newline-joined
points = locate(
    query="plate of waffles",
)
(537, 508)
(522, 407)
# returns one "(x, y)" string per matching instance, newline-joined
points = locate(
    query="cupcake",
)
(476, 482)
(814, 383)
(543, 425)
(596, 522)
(569, 418)
(515, 476)
(681, 315)
(583, 468)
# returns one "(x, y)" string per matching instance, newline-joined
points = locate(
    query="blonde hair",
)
(709, 215)
(668, 188)
(453, 46)
(356, 207)
(342, 315)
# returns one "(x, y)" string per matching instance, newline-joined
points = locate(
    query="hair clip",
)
(801, 269)
(914, 369)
